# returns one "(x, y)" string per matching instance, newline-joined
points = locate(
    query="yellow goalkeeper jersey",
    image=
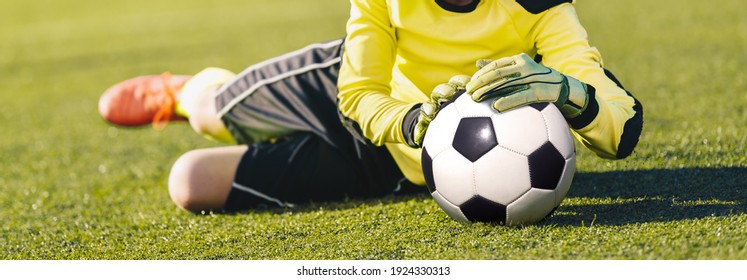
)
(397, 51)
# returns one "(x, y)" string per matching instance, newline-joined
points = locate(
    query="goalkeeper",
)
(346, 118)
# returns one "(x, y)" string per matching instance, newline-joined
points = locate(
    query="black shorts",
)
(286, 110)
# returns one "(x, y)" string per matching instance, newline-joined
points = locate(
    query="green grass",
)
(73, 187)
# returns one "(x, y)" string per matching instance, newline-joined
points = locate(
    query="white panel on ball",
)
(558, 131)
(522, 130)
(468, 108)
(502, 175)
(440, 133)
(565, 180)
(453, 171)
(449, 208)
(532, 207)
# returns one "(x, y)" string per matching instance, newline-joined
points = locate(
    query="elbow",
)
(631, 133)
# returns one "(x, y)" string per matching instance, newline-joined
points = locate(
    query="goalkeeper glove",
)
(517, 81)
(441, 94)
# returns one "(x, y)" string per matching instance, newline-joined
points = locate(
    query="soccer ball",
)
(511, 168)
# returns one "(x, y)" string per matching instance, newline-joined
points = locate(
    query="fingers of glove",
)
(490, 72)
(496, 77)
(516, 66)
(480, 63)
(443, 93)
(525, 95)
(547, 78)
(460, 81)
(501, 92)
(489, 80)
(428, 111)
(522, 62)
(523, 58)
(532, 71)
(495, 89)
(419, 133)
(485, 65)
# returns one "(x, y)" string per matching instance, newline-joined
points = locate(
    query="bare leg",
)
(201, 179)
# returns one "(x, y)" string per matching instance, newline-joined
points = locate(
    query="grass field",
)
(73, 187)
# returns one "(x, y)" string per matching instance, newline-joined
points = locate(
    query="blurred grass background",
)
(73, 187)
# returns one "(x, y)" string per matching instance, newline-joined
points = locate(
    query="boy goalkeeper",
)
(346, 118)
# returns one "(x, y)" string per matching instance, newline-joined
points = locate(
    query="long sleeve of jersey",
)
(365, 78)
(613, 117)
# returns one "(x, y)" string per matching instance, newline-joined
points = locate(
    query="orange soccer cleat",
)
(143, 100)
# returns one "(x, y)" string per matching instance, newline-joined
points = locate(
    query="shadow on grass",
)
(406, 193)
(626, 197)
(616, 198)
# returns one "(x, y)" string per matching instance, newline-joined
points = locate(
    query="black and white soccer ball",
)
(511, 168)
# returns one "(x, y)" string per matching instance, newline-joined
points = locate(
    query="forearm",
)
(612, 122)
(379, 116)
(366, 74)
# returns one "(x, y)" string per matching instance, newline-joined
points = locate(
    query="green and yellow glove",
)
(518, 80)
(416, 126)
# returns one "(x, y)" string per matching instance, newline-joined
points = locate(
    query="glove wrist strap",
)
(578, 99)
(408, 125)
(590, 112)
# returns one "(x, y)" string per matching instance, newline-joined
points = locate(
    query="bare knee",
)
(182, 184)
(196, 183)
